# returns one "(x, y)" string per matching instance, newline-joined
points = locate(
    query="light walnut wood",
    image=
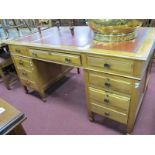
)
(60, 57)
(123, 65)
(110, 82)
(11, 119)
(110, 100)
(109, 113)
(110, 64)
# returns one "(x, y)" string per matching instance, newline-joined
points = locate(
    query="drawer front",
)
(29, 83)
(26, 74)
(59, 57)
(23, 62)
(111, 64)
(114, 83)
(18, 49)
(109, 113)
(109, 99)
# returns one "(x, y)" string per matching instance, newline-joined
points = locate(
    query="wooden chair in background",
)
(7, 71)
(8, 24)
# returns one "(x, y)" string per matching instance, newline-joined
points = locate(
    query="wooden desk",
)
(116, 74)
(10, 119)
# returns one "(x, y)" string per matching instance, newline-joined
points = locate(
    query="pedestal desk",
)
(116, 74)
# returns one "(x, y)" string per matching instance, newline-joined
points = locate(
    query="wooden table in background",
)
(11, 120)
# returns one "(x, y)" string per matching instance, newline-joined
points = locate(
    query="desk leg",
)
(26, 90)
(6, 82)
(19, 130)
(90, 113)
(91, 116)
(78, 70)
(43, 95)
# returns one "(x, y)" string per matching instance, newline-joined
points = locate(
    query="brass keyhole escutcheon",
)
(35, 54)
(106, 101)
(106, 65)
(18, 50)
(107, 84)
(21, 63)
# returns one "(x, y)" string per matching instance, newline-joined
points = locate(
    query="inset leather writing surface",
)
(83, 39)
(82, 36)
(128, 46)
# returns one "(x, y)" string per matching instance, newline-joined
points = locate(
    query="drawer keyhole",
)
(21, 63)
(106, 65)
(24, 73)
(18, 50)
(107, 84)
(106, 101)
(34, 54)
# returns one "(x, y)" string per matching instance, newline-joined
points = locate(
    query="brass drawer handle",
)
(18, 50)
(106, 65)
(106, 101)
(107, 84)
(21, 63)
(28, 82)
(107, 114)
(67, 60)
(24, 73)
(34, 54)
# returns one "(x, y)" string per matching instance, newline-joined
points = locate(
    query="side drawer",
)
(111, 64)
(25, 74)
(28, 83)
(59, 57)
(22, 62)
(18, 49)
(110, 82)
(110, 100)
(109, 113)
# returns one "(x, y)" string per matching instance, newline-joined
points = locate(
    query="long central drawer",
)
(109, 99)
(54, 56)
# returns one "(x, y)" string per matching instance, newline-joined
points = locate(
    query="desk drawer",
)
(111, 64)
(26, 74)
(59, 57)
(110, 100)
(109, 113)
(18, 49)
(29, 83)
(110, 82)
(23, 62)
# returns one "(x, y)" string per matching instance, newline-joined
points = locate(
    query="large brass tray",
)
(114, 29)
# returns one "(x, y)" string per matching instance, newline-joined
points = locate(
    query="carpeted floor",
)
(65, 110)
